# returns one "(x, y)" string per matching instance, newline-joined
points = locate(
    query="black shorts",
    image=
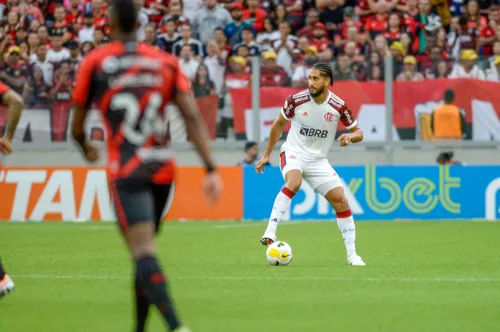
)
(137, 202)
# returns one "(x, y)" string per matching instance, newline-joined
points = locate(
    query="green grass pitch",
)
(420, 276)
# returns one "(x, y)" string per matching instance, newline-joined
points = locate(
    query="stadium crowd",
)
(42, 41)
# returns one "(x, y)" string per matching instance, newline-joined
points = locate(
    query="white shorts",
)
(319, 174)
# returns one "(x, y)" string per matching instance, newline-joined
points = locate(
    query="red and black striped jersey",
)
(131, 84)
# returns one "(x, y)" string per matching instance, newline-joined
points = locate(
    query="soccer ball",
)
(279, 253)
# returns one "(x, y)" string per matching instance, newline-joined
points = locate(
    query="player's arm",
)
(355, 134)
(82, 96)
(286, 114)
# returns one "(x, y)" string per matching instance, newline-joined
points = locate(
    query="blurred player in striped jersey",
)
(315, 114)
(14, 103)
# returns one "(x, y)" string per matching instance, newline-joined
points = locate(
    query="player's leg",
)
(324, 180)
(291, 168)
(6, 284)
(135, 207)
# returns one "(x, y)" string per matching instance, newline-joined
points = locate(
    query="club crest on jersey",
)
(329, 117)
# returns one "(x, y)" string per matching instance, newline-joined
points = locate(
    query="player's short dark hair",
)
(325, 70)
(126, 14)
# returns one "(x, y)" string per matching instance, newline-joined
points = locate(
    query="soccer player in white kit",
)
(315, 114)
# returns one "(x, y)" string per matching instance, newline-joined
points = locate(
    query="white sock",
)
(345, 222)
(281, 205)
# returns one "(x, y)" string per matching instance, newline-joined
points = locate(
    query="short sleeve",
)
(83, 83)
(347, 118)
(288, 110)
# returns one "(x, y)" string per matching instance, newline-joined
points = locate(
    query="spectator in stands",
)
(86, 33)
(221, 40)
(43, 35)
(74, 14)
(202, 85)
(398, 53)
(320, 40)
(12, 24)
(377, 24)
(343, 69)
(187, 62)
(428, 24)
(33, 42)
(493, 74)
(375, 60)
(255, 15)
(234, 29)
(86, 48)
(41, 61)
(235, 78)
(13, 71)
(410, 72)
(61, 28)
(394, 28)
(75, 57)
(356, 59)
(63, 83)
(156, 10)
(268, 34)
(272, 74)
(167, 39)
(467, 67)
(311, 19)
(175, 14)
(21, 34)
(150, 34)
(280, 13)
(295, 13)
(447, 120)
(380, 44)
(428, 65)
(248, 39)
(195, 44)
(461, 37)
(58, 53)
(25, 51)
(441, 70)
(99, 37)
(36, 92)
(487, 34)
(29, 11)
(300, 78)
(143, 18)
(251, 155)
(284, 47)
(215, 63)
(332, 15)
(375, 74)
(208, 18)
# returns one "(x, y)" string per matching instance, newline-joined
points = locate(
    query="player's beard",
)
(317, 92)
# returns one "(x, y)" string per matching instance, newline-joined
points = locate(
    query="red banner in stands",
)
(413, 103)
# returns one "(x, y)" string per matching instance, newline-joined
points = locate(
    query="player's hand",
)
(259, 168)
(344, 139)
(212, 185)
(91, 153)
(5, 146)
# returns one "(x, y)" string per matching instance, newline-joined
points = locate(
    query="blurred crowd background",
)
(42, 41)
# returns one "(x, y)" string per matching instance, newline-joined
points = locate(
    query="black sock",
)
(2, 271)
(152, 281)
(141, 306)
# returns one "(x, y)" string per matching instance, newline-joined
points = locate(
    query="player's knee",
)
(141, 241)
(294, 184)
(342, 204)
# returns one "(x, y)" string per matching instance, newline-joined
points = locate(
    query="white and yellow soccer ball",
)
(279, 253)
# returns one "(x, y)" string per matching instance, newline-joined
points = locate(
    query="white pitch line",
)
(241, 278)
